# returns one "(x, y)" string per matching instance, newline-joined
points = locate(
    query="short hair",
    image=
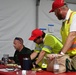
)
(19, 39)
(43, 34)
(65, 5)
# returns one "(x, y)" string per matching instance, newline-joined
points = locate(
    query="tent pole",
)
(37, 12)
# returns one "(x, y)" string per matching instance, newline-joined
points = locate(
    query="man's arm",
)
(33, 55)
(40, 57)
(69, 41)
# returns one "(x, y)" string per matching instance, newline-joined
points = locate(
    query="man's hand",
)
(52, 56)
(35, 65)
(11, 61)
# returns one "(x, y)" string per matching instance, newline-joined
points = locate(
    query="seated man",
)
(45, 44)
(20, 49)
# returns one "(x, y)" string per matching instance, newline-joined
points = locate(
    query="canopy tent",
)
(19, 17)
(71, 1)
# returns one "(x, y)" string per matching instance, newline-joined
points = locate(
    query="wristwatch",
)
(35, 64)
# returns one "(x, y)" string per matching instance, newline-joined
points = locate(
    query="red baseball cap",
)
(35, 33)
(56, 4)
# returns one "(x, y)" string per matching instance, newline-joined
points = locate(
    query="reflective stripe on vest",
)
(37, 48)
(73, 46)
(48, 47)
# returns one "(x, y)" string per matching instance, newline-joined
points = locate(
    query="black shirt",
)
(25, 50)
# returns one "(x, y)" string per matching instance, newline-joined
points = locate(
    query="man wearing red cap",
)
(68, 29)
(45, 44)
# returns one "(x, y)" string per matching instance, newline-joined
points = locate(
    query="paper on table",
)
(3, 70)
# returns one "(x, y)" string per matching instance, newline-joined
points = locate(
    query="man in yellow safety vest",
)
(46, 43)
(68, 29)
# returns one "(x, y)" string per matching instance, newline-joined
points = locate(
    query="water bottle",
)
(5, 58)
(56, 65)
(27, 64)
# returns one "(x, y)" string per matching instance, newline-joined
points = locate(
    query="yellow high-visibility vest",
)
(51, 44)
(65, 29)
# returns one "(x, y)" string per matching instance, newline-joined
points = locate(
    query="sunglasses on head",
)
(17, 38)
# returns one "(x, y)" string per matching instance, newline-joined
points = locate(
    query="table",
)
(37, 73)
(19, 72)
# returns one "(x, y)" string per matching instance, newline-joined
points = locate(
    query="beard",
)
(59, 16)
(40, 42)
